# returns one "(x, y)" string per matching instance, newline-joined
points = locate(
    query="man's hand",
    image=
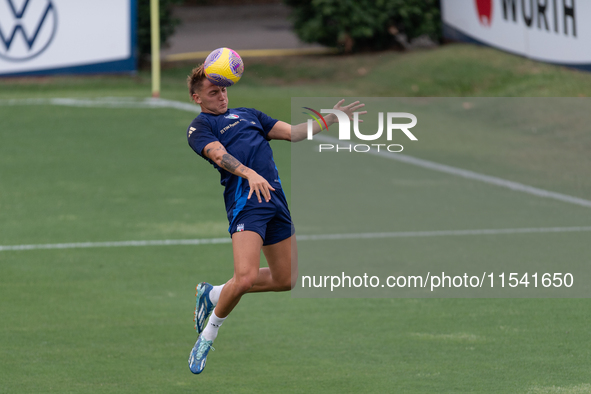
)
(259, 185)
(349, 109)
(295, 133)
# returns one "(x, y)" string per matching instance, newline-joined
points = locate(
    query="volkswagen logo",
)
(27, 28)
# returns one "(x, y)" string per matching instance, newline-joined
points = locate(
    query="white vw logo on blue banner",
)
(27, 28)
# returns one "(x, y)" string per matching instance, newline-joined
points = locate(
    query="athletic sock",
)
(213, 325)
(214, 294)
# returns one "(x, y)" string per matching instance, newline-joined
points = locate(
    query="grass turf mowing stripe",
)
(317, 237)
(109, 102)
(471, 175)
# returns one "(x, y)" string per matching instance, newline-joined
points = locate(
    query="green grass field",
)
(119, 320)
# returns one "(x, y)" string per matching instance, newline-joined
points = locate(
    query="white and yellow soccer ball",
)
(223, 67)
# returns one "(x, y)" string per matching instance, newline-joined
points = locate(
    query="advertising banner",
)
(66, 36)
(554, 31)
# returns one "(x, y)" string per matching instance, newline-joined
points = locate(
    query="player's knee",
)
(244, 283)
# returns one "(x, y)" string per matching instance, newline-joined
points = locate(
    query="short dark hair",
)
(195, 80)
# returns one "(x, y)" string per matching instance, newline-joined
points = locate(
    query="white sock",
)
(214, 294)
(213, 325)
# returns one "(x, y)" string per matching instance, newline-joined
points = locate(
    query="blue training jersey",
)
(243, 132)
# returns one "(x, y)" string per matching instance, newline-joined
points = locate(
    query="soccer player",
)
(236, 142)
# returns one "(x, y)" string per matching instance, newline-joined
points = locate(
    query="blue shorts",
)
(271, 220)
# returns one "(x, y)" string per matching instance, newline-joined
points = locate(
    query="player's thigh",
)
(246, 246)
(282, 258)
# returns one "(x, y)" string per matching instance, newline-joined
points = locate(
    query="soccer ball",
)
(223, 67)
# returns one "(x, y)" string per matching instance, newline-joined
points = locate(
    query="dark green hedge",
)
(167, 24)
(365, 24)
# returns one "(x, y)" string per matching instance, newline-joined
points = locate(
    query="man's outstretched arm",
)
(220, 156)
(295, 133)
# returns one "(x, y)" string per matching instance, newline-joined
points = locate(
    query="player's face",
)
(213, 99)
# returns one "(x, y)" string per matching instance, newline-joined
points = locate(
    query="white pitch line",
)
(469, 175)
(106, 102)
(318, 237)
(81, 245)
(442, 233)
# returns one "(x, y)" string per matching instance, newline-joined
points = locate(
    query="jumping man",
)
(236, 142)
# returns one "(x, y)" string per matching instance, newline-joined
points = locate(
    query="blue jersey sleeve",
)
(266, 121)
(199, 135)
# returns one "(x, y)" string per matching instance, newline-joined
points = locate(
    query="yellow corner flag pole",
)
(155, 37)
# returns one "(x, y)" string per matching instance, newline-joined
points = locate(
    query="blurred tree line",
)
(366, 24)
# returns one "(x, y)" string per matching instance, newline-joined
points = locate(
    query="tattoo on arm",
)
(213, 150)
(229, 162)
